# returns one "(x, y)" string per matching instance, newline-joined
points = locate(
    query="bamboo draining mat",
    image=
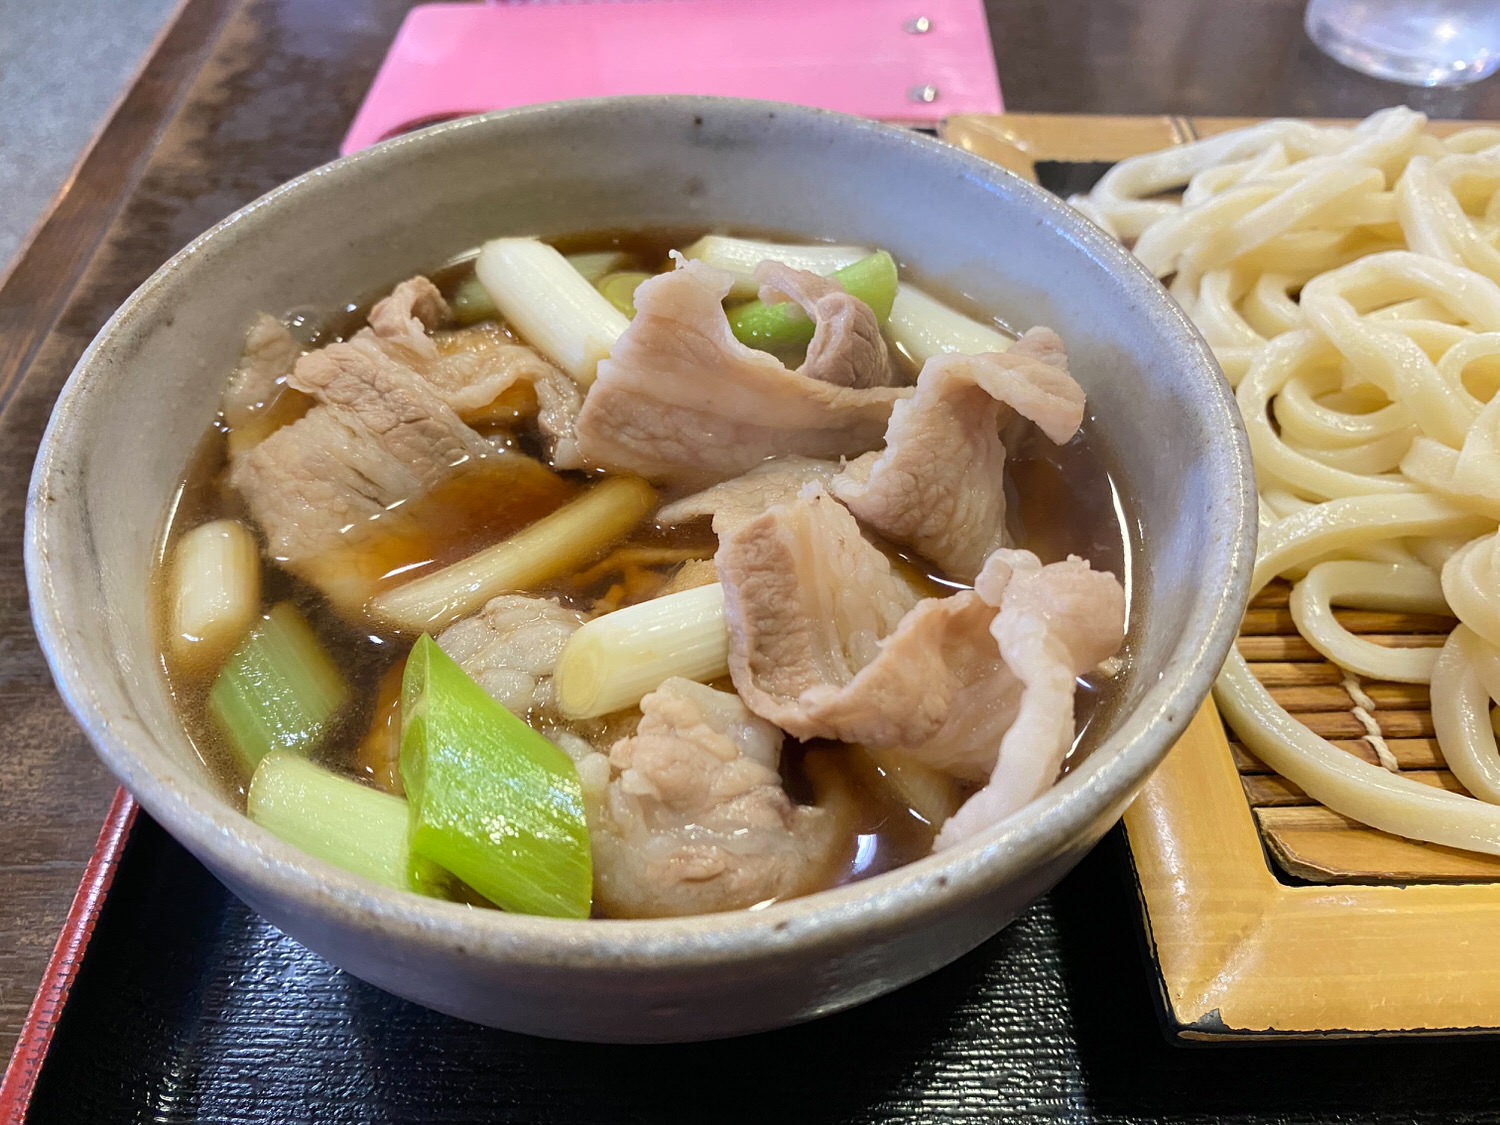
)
(1269, 914)
(1307, 840)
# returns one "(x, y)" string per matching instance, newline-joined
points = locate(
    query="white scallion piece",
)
(922, 327)
(215, 591)
(577, 533)
(594, 264)
(740, 256)
(550, 303)
(615, 660)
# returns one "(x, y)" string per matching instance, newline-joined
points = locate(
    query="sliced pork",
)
(847, 348)
(257, 401)
(510, 648)
(471, 368)
(558, 404)
(475, 366)
(807, 602)
(388, 426)
(1053, 624)
(827, 643)
(380, 434)
(737, 501)
(408, 313)
(681, 401)
(688, 815)
(939, 485)
(269, 355)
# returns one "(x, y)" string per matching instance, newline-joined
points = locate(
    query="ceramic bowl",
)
(143, 395)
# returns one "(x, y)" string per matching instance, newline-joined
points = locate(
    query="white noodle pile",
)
(1349, 282)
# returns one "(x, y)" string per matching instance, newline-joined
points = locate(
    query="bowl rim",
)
(225, 838)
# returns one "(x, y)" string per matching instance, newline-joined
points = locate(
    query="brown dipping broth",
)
(1060, 501)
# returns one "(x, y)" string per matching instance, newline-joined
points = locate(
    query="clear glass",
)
(1417, 42)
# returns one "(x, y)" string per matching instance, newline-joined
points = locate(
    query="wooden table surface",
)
(243, 94)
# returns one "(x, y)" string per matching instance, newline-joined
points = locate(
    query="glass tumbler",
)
(1418, 42)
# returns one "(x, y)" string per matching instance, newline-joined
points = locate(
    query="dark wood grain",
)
(53, 793)
(243, 94)
(43, 279)
(238, 97)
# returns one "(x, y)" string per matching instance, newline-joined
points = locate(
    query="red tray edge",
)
(67, 954)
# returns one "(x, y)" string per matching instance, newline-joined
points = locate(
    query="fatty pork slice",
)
(978, 684)
(827, 642)
(256, 400)
(847, 349)
(510, 648)
(688, 815)
(1053, 623)
(739, 500)
(807, 602)
(269, 355)
(470, 368)
(379, 435)
(939, 485)
(680, 401)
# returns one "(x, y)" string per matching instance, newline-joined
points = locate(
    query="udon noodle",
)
(1349, 282)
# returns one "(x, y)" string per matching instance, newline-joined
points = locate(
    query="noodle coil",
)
(1348, 279)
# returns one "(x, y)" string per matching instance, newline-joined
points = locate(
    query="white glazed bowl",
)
(145, 392)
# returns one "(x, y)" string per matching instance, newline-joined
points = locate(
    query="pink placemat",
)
(908, 61)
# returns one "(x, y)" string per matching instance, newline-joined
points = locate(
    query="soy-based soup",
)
(870, 807)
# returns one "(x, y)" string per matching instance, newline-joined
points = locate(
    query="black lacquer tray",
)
(187, 1007)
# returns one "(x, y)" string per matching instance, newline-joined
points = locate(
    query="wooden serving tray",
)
(1269, 915)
